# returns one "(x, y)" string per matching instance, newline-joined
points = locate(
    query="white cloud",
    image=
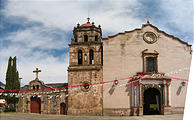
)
(53, 69)
(38, 37)
(180, 13)
(32, 47)
(113, 16)
(65, 14)
(53, 15)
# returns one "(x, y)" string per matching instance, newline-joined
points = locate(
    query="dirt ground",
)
(31, 116)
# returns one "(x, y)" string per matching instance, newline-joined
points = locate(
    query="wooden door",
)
(35, 105)
(63, 109)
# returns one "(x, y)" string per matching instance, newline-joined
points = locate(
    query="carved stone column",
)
(140, 100)
(168, 95)
(42, 104)
(168, 109)
(163, 99)
(49, 105)
(28, 105)
(135, 101)
(164, 95)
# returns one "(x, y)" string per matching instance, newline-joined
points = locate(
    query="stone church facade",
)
(145, 51)
(126, 74)
(38, 97)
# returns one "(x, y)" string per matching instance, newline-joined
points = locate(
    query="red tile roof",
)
(86, 24)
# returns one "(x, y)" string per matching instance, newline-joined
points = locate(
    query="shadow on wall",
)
(128, 88)
(116, 82)
(179, 90)
(112, 89)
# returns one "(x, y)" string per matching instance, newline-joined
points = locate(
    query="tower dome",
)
(86, 33)
(88, 24)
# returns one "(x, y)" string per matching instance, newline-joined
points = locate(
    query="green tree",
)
(12, 75)
(15, 75)
(17, 80)
(9, 75)
(12, 82)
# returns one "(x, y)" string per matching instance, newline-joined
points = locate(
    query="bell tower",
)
(85, 69)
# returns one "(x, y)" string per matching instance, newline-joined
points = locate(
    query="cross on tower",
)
(36, 71)
(148, 17)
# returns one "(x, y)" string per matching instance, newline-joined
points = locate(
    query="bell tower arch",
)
(85, 69)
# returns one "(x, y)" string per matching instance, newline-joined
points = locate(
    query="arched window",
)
(91, 54)
(75, 38)
(85, 38)
(79, 57)
(96, 38)
(37, 86)
(34, 87)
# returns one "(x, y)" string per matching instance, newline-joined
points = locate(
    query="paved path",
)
(31, 116)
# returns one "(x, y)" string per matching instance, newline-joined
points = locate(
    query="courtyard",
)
(31, 116)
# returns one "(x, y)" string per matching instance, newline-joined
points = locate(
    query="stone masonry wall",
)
(85, 102)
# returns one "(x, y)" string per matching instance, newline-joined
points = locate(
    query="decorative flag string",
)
(75, 87)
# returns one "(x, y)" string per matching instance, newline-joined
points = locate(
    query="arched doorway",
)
(63, 109)
(35, 105)
(152, 102)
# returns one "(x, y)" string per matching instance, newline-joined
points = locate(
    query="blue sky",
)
(38, 31)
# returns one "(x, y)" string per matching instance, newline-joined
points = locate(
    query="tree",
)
(15, 75)
(12, 82)
(17, 80)
(12, 75)
(9, 75)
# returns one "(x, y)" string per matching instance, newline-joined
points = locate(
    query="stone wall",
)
(85, 100)
(85, 47)
(50, 103)
(81, 101)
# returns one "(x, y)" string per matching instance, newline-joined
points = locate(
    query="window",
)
(150, 61)
(37, 86)
(86, 86)
(79, 57)
(151, 64)
(85, 57)
(96, 38)
(33, 86)
(85, 38)
(75, 38)
(91, 54)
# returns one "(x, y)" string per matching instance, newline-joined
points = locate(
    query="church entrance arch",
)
(63, 109)
(35, 105)
(152, 102)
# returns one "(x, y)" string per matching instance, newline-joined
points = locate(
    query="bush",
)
(10, 108)
(11, 101)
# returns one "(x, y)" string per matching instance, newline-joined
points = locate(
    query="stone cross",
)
(148, 17)
(36, 71)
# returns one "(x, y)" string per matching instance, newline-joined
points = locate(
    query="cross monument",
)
(36, 71)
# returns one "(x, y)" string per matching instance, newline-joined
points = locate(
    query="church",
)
(138, 72)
